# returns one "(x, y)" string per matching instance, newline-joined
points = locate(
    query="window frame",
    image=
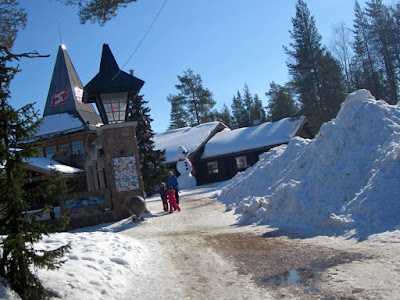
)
(241, 162)
(46, 152)
(214, 165)
(77, 147)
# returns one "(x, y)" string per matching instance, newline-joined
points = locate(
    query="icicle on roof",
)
(66, 91)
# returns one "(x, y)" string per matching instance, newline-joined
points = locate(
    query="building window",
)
(40, 153)
(49, 151)
(241, 162)
(77, 148)
(63, 149)
(212, 167)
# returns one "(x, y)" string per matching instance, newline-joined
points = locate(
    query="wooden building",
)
(68, 127)
(74, 139)
(218, 153)
(233, 151)
(193, 139)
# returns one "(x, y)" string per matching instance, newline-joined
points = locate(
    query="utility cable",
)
(144, 36)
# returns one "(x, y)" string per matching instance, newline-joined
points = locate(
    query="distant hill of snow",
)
(347, 179)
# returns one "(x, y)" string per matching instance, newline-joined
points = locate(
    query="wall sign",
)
(59, 97)
(126, 178)
(83, 202)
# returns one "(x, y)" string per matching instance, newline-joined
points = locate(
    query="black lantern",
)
(111, 89)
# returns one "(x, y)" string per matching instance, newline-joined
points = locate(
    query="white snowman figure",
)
(184, 166)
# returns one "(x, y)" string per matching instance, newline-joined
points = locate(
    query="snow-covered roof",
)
(189, 137)
(249, 138)
(59, 123)
(47, 165)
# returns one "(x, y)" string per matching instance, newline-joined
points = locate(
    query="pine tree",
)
(364, 67)
(248, 102)
(381, 32)
(224, 116)
(247, 110)
(193, 105)
(258, 114)
(152, 161)
(281, 104)
(311, 80)
(396, 31)
(20, 227)
(333, 89)
(239, 114)
(178, 117)
(13, 18)
(95, 10)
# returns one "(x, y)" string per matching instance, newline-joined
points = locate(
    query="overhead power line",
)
(144, 36)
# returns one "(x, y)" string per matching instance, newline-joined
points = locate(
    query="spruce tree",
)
(178, 117)
(248, 102)
(239, 113)
(333, 89)
(97, 11)
(13, 18)
(225, 116)
(280, 104)
(312, 81)
(193, 105)
(382, 35)
(364, 66)
(20, 227)
(152, 161)
(396, 31)
(258, 113)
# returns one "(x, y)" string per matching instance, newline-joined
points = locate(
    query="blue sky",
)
(228, 42)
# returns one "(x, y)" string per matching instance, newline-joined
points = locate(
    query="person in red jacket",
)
(172, 200)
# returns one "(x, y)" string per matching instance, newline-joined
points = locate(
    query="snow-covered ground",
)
(343, 185)
(103, 263)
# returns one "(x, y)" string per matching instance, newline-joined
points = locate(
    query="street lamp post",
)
(111, 90)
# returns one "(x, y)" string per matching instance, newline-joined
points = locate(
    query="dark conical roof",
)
(110, 79)
(66, 91)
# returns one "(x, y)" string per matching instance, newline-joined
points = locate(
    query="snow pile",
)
(98, 266)
(348, 177)
(255, 137)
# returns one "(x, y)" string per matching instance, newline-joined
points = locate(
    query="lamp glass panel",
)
(115, 106)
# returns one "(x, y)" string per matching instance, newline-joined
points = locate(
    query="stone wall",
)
(113, 177)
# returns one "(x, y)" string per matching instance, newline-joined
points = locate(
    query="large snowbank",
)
(346, 179)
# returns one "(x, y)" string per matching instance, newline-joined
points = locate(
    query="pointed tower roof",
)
(66, 91)
(110, 78)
